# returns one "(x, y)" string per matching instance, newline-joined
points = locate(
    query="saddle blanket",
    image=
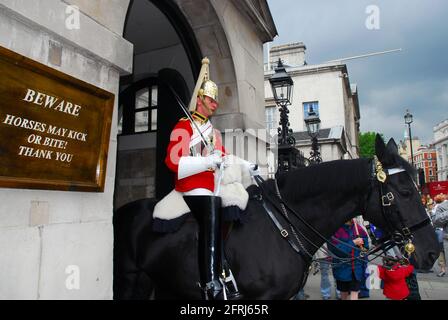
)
(232, 192)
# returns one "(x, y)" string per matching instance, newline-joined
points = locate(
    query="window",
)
(271, 120)
(141, 110)
(146, 110)
(430, 172)
(310, 107)
(120, 119)
(138, 108)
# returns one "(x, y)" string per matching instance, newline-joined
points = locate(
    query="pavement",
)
(431, 287)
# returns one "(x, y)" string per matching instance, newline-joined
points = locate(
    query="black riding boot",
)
(206, 209)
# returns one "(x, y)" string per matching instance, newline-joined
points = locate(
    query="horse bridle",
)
(402, 234)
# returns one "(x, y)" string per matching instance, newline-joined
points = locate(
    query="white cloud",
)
(415, 78)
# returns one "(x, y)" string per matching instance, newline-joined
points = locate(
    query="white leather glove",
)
(189, 166)
(254, 170)
(214, 160)
(251, 167)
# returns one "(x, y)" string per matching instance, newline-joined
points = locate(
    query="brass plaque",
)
(54, 129)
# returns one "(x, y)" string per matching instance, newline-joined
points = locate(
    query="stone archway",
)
(174, 35)
(228, 32)
(209, 33)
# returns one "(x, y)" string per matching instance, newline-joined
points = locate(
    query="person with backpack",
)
(348, 242)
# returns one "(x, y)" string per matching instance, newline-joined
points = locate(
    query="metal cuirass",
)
(197, 146)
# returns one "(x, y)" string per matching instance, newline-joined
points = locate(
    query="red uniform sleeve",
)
(179, 145)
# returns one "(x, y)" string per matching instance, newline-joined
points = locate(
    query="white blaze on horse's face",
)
(394, 171)
(398, 170)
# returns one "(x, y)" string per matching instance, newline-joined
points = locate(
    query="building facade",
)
(59, 244)
(404, 146)
(441, 146)
(425, 161)
(324, 89)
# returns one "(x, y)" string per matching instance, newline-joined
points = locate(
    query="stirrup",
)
(206, 290)
(230, 288)
(213, 290)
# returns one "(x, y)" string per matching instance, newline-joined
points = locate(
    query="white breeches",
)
(199, 192)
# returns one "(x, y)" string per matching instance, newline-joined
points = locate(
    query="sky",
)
(415, 78)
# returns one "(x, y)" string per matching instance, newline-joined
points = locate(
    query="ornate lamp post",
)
(313, 126)
(282, 84)
(408, 119)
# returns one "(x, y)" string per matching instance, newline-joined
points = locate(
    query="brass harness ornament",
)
(382, 176)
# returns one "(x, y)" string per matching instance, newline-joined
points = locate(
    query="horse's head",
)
(395, 206)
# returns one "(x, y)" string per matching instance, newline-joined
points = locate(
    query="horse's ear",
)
(380, 147)
(392, 146)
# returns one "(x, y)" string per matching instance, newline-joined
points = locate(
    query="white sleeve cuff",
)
(189, 166)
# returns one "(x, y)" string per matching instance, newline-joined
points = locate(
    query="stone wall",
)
(246, 50)
(49, 238)
(326, 88)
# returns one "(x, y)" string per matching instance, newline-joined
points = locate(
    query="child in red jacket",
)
(394, 274)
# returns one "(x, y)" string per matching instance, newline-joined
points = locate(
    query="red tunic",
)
(178, 147)
(395, 286)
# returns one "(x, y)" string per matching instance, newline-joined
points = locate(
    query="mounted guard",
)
(194, 154)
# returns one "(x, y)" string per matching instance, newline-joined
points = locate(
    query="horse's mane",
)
(333, 176)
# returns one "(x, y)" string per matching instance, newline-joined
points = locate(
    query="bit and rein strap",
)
(402, 233)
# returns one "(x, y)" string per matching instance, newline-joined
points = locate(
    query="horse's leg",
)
(163, 294)
(133, 286)
(130, 280)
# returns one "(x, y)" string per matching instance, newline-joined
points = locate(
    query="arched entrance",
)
(167, 35)
(170, 38)
(166, 53)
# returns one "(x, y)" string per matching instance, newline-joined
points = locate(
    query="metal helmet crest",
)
(204, 86)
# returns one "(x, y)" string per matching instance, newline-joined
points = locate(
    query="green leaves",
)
(367, 144)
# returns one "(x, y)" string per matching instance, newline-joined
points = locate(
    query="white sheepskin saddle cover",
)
(233, 192)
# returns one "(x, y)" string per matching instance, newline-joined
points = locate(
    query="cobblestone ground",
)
(431, 287)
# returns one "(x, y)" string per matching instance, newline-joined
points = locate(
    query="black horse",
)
(264, 264)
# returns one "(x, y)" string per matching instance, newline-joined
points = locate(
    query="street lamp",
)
(312, 122)
(282, 84)
(408, 120)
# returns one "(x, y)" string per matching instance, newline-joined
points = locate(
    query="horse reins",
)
(308, 257)
(388, 208)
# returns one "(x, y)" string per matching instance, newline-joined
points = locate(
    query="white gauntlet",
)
(189, 166)
(251, 167)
